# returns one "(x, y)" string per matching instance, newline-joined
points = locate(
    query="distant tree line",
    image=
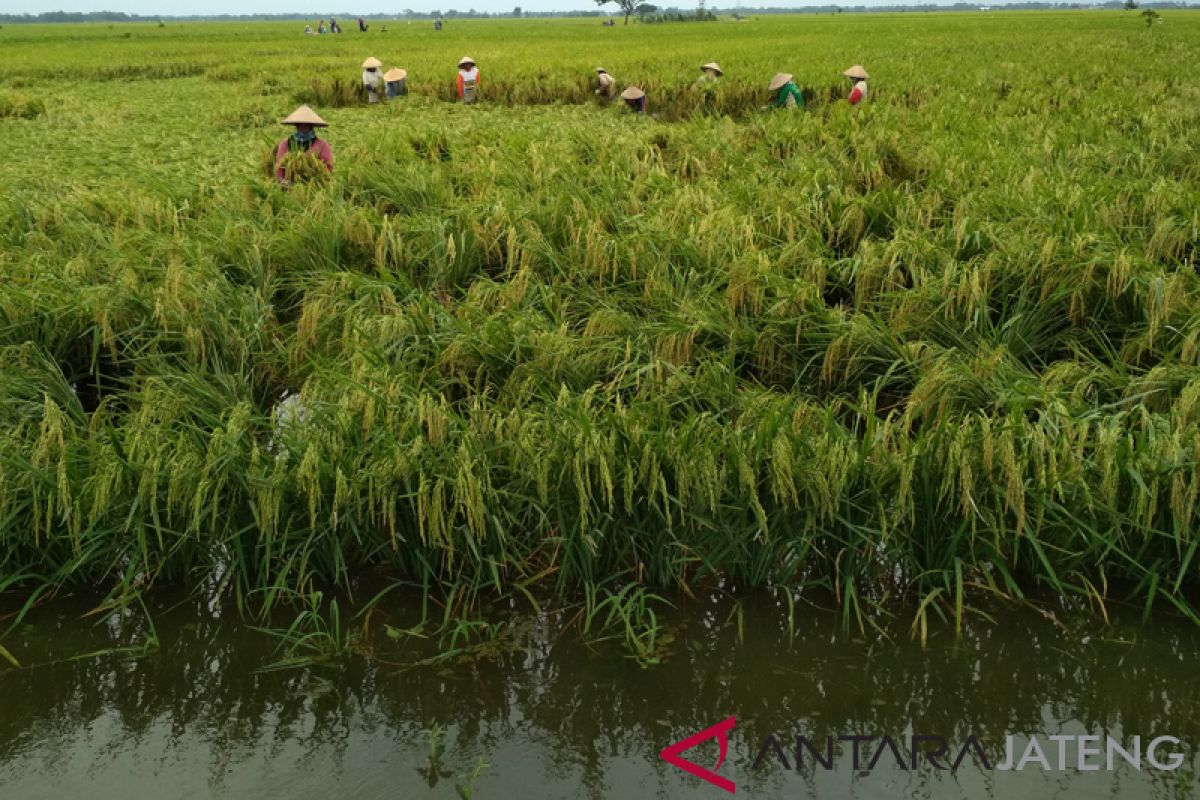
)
(118, 16)
(1032, 5)
(637, 6)
(649, 15)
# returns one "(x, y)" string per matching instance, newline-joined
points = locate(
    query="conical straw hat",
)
(601, 69)
(779, 81)
(856, 72)
(305, 116)
(372, 62)
(466, 60)
(395, 75)
(633, 93)
(714, 66)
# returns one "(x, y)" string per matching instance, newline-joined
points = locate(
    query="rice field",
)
(938, 346)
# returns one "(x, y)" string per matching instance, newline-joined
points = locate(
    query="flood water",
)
(538, 713)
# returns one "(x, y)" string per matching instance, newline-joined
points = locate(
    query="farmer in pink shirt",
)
(304, 139)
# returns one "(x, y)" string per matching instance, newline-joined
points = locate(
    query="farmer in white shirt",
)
(372, 79)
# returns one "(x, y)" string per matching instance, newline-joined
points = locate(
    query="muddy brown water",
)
(118, 707)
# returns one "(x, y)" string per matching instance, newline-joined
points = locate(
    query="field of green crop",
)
(942, 344)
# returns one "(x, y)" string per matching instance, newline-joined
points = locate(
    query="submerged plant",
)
(316, 637)
(630, 613)
(466, 791)
(433, 770)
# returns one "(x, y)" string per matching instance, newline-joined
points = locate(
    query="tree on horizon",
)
(628, 7)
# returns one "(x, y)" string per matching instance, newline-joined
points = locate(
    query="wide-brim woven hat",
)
(633, 93)
(780, 80)
(372, 62)
(714, 66)
(601, 69)
(395, 75)
(462, 62)
(856, 72)
(305, 116)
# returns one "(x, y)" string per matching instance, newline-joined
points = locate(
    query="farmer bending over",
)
(608, 86)
(786, 93)
(397, 82)
(303, 140)
(635, 100)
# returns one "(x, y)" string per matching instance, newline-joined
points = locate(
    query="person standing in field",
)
(321, 27)
(467, 87)
(362, 26)
(608, 86)
(786, 93)
(858, 78)
(303, 140)
(710, 73)
(397, 82)
(372, 79)
(635, 100)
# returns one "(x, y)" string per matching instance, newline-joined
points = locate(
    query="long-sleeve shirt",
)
(467, 79)
(318, 147)
(789, 97)
(607, 84)
(858, 93)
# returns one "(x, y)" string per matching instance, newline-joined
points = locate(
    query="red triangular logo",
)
(721, 732)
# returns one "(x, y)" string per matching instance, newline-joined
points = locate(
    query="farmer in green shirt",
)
(710, 73)
(786, 93)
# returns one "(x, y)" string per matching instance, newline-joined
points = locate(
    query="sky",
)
(307, 8)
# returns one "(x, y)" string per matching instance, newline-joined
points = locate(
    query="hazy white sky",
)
(313, 8)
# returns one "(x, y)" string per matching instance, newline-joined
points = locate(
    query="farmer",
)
(467, 88)
(709, 74)
(858, 79)
(608, 86)
(372, 79)
(308, 30)
(304, 139)
(786, 93)
(333, 26)
(362, 26)
(320, 27)
(397, 82)
(635, 100)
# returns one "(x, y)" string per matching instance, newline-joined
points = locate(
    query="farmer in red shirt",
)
(467, 88)
(858, 76)
(304, 139)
